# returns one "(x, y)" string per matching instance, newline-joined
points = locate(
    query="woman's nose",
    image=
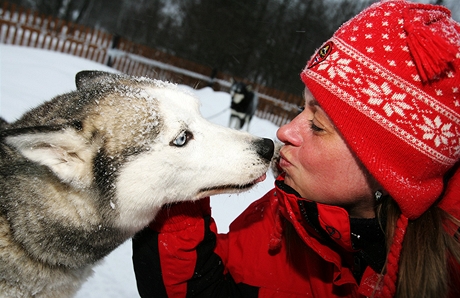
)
(289, 133)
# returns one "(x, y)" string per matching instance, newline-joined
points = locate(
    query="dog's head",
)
(239, 90)
(140, 143)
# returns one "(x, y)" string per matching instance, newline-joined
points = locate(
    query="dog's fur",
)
(3, 123)
(243, 105)
(85, 171)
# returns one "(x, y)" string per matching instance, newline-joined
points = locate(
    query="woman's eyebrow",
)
(309, 99)
(312, 102)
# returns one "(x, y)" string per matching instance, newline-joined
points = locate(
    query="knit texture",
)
(398, 113)
(390, 81)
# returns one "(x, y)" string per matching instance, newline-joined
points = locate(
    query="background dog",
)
(85, 171)
(243, 105)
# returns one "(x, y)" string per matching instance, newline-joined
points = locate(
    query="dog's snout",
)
(265, 148)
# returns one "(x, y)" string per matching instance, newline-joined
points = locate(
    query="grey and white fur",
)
(85, 171)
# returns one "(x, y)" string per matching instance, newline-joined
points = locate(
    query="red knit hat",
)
(390, 81)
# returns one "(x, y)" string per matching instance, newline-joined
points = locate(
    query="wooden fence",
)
(28, 28)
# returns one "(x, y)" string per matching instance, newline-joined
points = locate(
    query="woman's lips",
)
(283, 163)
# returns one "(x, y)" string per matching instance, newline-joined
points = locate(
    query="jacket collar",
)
(328, 231)
(327, 222)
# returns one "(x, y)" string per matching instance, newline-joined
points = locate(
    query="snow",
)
(30, 76)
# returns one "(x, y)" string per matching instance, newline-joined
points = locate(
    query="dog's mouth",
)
(232, 187)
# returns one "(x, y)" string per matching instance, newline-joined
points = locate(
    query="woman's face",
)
(320, 166)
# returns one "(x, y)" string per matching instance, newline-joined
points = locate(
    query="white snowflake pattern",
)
(416, 78)
(437, 131)
(394, 102)
(456, 148)
(337, 66)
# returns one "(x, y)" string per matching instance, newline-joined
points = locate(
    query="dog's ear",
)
(3, 123)
(65, 152)
(83, 78)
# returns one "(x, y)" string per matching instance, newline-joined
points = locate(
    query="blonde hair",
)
(429, 253)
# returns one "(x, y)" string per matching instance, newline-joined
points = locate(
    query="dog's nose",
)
(265, 148)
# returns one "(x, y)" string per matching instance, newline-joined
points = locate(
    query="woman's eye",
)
(182, 139)
(314, 127)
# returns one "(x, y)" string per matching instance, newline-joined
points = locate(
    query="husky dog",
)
(243, 105)
(85, 171)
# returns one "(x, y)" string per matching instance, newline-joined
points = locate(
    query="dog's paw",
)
(274, 164)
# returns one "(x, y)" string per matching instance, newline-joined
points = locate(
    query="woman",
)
(368, 201)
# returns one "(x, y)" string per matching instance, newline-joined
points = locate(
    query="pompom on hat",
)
(390, 81)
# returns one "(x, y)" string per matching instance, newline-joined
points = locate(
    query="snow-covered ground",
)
(30, 76)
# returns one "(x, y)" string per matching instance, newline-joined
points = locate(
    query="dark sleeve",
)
(175, 256)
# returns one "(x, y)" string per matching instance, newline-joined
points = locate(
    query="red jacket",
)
(182, 255)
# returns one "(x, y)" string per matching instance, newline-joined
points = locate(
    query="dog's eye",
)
(182, 139)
